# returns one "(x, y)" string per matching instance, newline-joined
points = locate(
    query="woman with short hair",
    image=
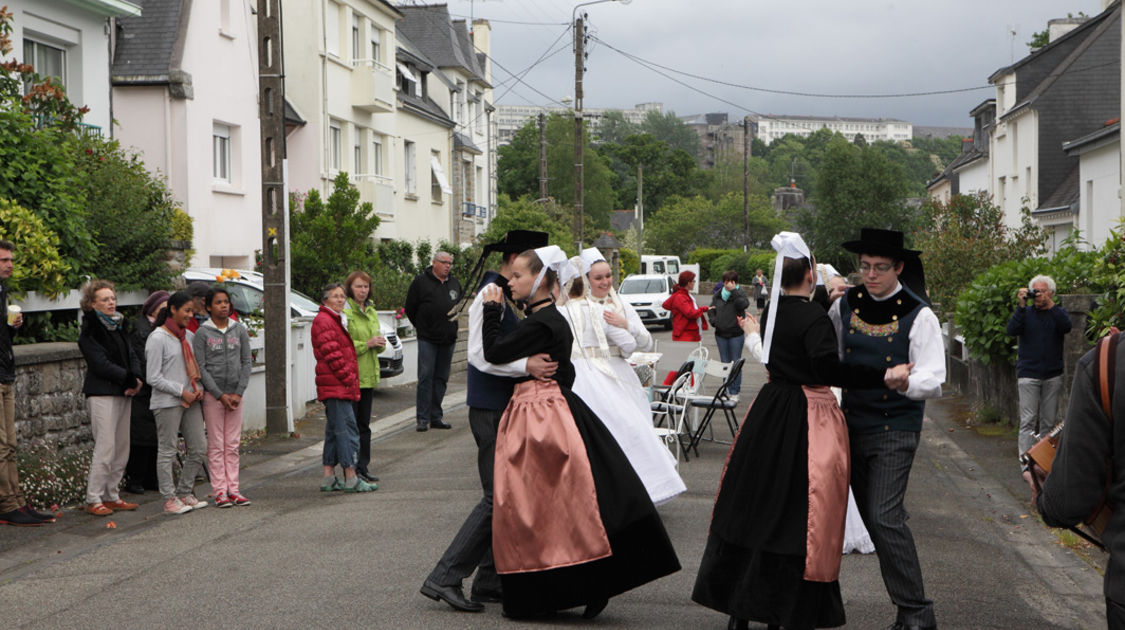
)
(363, 327)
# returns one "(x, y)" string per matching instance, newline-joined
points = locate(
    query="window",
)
(458, 103)
(373, 31)
(356, 49)
(409, 165)
(377, 155)
(332, 29)
(435, 182)
(357, 150)
(48, 61)
(220, 149)
(334, 148)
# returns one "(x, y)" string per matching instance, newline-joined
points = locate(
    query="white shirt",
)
(515, 369)
(927, 350)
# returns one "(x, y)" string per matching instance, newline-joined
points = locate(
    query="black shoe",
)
(440, 425)
(898, 625)
(366, 476)
(46, 518)
(19, 518)
(135, 488)
(422, 428)
(452, 595)
(487, 595)
(594, 608)
(738, 624)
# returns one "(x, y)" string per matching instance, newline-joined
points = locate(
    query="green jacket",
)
(363, 324)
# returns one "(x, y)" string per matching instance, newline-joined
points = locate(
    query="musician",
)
(1087, 452)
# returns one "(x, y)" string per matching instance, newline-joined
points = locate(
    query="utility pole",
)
(275, 239)
(746, 182)
(579, 128)
(640, 207)
(542, 157)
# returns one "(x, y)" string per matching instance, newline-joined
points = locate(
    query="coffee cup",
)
(13, 314)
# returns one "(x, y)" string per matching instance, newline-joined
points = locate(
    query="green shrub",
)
(51, 477)
(704, 257)
(330, 238)
(1108, 274)
(39, 266)
(630, 262)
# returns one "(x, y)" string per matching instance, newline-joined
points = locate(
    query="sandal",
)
(98, 509)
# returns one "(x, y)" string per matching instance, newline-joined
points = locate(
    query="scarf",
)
(111, 322)
(189, 357)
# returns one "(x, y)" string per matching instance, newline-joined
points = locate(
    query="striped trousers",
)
(881, 465)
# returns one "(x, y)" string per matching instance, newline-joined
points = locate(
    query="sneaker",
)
(175, 506)
(331, 486)
(120, 505)
(238, 499)
(98, 509)
(193, 503)
(361, 486)
(222, 500)
(18, 518)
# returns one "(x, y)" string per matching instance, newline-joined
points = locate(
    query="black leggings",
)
(363, 423)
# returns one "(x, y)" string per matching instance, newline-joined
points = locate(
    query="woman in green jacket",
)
(363, 326)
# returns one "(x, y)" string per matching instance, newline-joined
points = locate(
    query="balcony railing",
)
(474, 210)
(373, 86)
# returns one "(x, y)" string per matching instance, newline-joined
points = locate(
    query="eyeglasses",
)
(445, 262)
(879, 268)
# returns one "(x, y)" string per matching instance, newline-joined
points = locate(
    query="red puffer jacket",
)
(337, 373)
(684, 315)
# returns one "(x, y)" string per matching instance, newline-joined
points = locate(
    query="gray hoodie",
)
(223, 356)
(165, 369)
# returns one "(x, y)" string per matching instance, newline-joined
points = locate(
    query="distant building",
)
(929, 131)
(719, 138)
(512, 118)
(968, 173)
(774, 126)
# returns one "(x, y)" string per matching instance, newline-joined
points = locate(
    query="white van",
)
(660, 265)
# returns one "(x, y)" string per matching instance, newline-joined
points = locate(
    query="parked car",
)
(248, 296)
(647, 292)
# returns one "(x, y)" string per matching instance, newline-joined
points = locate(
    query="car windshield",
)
(303, 302)
(642, 285)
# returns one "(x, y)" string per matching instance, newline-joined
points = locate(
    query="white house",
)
(196, 125)
(69, 40)
(1099, 182)
(774, 126)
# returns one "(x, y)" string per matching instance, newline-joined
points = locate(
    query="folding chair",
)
(721, 401)
(660, 392)
(674, 408)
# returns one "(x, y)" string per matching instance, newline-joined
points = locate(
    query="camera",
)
(1032, 294)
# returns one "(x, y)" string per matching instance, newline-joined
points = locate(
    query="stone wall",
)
(995, 384)
(50, 405)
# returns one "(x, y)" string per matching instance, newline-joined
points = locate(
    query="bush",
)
(630, 262)
(745, 264)
(39, 266)
(50, 477)
(705, 257)
(330, 238)
(1108, 275)
(984, 307)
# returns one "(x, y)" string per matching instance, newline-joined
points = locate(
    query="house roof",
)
(291, 115)
(1076, 32)
(445, 41)
(1065, 197)
(150, 45)
(622, 220)
(463, 142)
(424, 106)
(988, 102)
(1094, 138)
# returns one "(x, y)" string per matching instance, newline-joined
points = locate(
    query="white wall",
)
(1014, 161)
(973, 178)
(1099, 187)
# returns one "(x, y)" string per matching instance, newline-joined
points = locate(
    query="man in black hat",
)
(489, 390)
(883, 322)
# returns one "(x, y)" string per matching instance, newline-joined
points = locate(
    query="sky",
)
(813, 46)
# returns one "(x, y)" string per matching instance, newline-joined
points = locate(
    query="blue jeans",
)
(433, 374)
(730, 349)
(341, 437)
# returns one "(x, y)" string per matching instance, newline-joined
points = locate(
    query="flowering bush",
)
(53, 477)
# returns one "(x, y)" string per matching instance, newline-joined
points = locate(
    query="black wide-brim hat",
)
(876, 242)
(518, 241)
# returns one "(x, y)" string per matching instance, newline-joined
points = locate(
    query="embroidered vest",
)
(487, 391)
(877, 334)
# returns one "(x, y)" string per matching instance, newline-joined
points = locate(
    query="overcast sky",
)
(819, 46)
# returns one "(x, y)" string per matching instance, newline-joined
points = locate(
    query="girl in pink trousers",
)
(222, 348)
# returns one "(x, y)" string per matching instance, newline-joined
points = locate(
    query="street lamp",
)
(579, 128)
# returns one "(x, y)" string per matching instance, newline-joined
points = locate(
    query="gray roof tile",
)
(146, 43)
(444, 41)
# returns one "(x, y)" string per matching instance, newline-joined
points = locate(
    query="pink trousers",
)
(224, 430)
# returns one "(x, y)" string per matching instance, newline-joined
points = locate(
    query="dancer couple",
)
(773, 550)
(565, 519)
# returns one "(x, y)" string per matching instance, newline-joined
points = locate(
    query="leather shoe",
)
(366, 476)
(422, 428)
(452, 595)
(487, 595)
(440, 425)
(738, 624)
(594, 608)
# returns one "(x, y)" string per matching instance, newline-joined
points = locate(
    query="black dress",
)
(140, 471)
(754, 563)
(640, 548)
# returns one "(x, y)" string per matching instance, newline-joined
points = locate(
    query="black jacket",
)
(428, 302)
(111, 365)
(724, 319)
(7, 357)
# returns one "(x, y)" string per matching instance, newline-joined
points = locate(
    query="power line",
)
(520, 22)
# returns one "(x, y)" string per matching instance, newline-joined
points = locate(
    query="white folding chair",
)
(673, 409)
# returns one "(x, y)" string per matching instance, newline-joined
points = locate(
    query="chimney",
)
(1058, 27)
(966, 145)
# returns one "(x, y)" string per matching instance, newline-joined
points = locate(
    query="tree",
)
(667, 171)
(684, 224)
(669, 128)
(329, 239)
(526, 214)
(855, 187)
(613, 128)
(966, 237)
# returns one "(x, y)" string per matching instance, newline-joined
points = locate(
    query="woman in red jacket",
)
(337, 386)
(685, 312)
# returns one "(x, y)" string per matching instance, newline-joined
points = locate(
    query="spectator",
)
(727, 306)
(198, 291)
(14, 509)
(363, 326)
(222, 348)
(761, 287)
(140, 470)
(173, 373)
(1040, 328)
(337, 386)
(428, 301)
(686, 314)
(112, 379)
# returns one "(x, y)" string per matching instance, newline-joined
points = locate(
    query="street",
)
(300, 558)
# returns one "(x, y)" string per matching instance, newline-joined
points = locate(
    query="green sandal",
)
(332, 487)
(361, 486)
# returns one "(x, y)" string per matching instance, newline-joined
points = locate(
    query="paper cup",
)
(13, 314)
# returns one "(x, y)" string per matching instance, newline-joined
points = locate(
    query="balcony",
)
(373, 87)
(474, 210)
(379, 191)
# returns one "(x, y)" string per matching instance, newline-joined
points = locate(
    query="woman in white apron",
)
(606, 331)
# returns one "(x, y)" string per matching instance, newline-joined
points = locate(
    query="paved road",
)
(299, 558)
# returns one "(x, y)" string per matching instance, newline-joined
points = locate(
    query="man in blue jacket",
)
(1040, 327)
